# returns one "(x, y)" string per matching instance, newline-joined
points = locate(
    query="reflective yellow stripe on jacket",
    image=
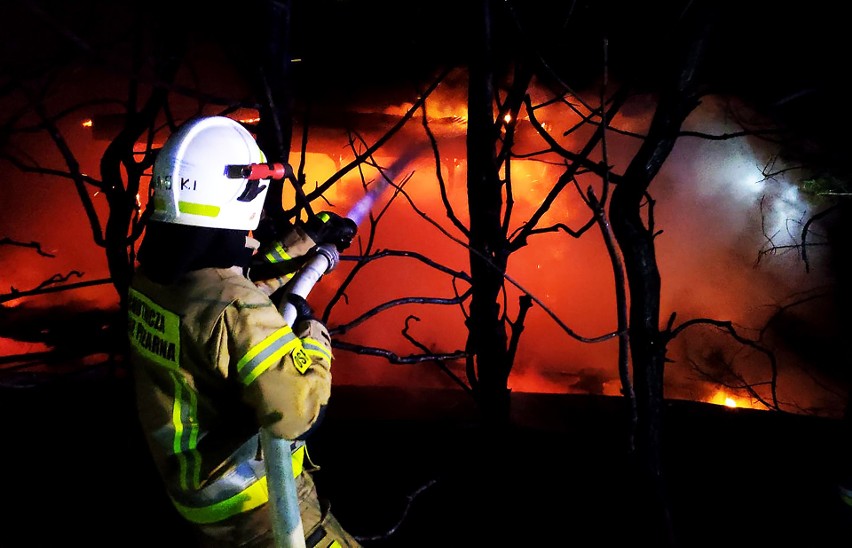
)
(185, 424)
(254, 494)
(278, 255)
(154, 333)
(266, 353)
(314, 348)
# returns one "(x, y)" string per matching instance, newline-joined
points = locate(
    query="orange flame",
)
(729, 399)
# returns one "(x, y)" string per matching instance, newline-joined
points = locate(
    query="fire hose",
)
(283, 498)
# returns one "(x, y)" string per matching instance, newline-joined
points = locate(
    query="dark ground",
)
(77, 473)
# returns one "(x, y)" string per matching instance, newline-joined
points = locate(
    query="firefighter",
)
(212, 357)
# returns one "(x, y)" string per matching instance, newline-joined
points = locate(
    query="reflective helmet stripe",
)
(199, 209)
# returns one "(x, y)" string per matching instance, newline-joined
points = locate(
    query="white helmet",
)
(198, 178)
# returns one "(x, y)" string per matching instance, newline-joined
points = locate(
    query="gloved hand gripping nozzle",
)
(327, 227)
(324, 260)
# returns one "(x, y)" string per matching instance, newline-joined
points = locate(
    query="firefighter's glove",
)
(330, 228)
(303, 309)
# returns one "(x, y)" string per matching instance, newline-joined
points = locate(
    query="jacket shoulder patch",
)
(300, 360)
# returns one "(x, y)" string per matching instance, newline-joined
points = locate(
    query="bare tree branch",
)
(447, 371)
(409, 501)
(728, 327)
(48, 286)
(33, 245)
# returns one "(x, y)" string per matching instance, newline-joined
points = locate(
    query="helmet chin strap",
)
(259, 171)
(253, 188)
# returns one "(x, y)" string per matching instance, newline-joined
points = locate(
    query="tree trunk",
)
(274, 89)
(636, 242)
(120, 195)
(487, 338)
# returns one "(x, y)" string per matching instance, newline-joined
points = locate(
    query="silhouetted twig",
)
(411, 498)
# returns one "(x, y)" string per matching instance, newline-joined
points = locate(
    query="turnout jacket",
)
(213, 359)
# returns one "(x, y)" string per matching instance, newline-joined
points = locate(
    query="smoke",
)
(721, 215)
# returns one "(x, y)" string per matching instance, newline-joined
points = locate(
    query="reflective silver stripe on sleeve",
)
(266, 353)
(277, 254)
(314, 348)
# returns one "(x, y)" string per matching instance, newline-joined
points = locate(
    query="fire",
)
(11, 303)
(12, 347)
(7, 290)
(247, 116)
(721, 397)
(563, 272)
